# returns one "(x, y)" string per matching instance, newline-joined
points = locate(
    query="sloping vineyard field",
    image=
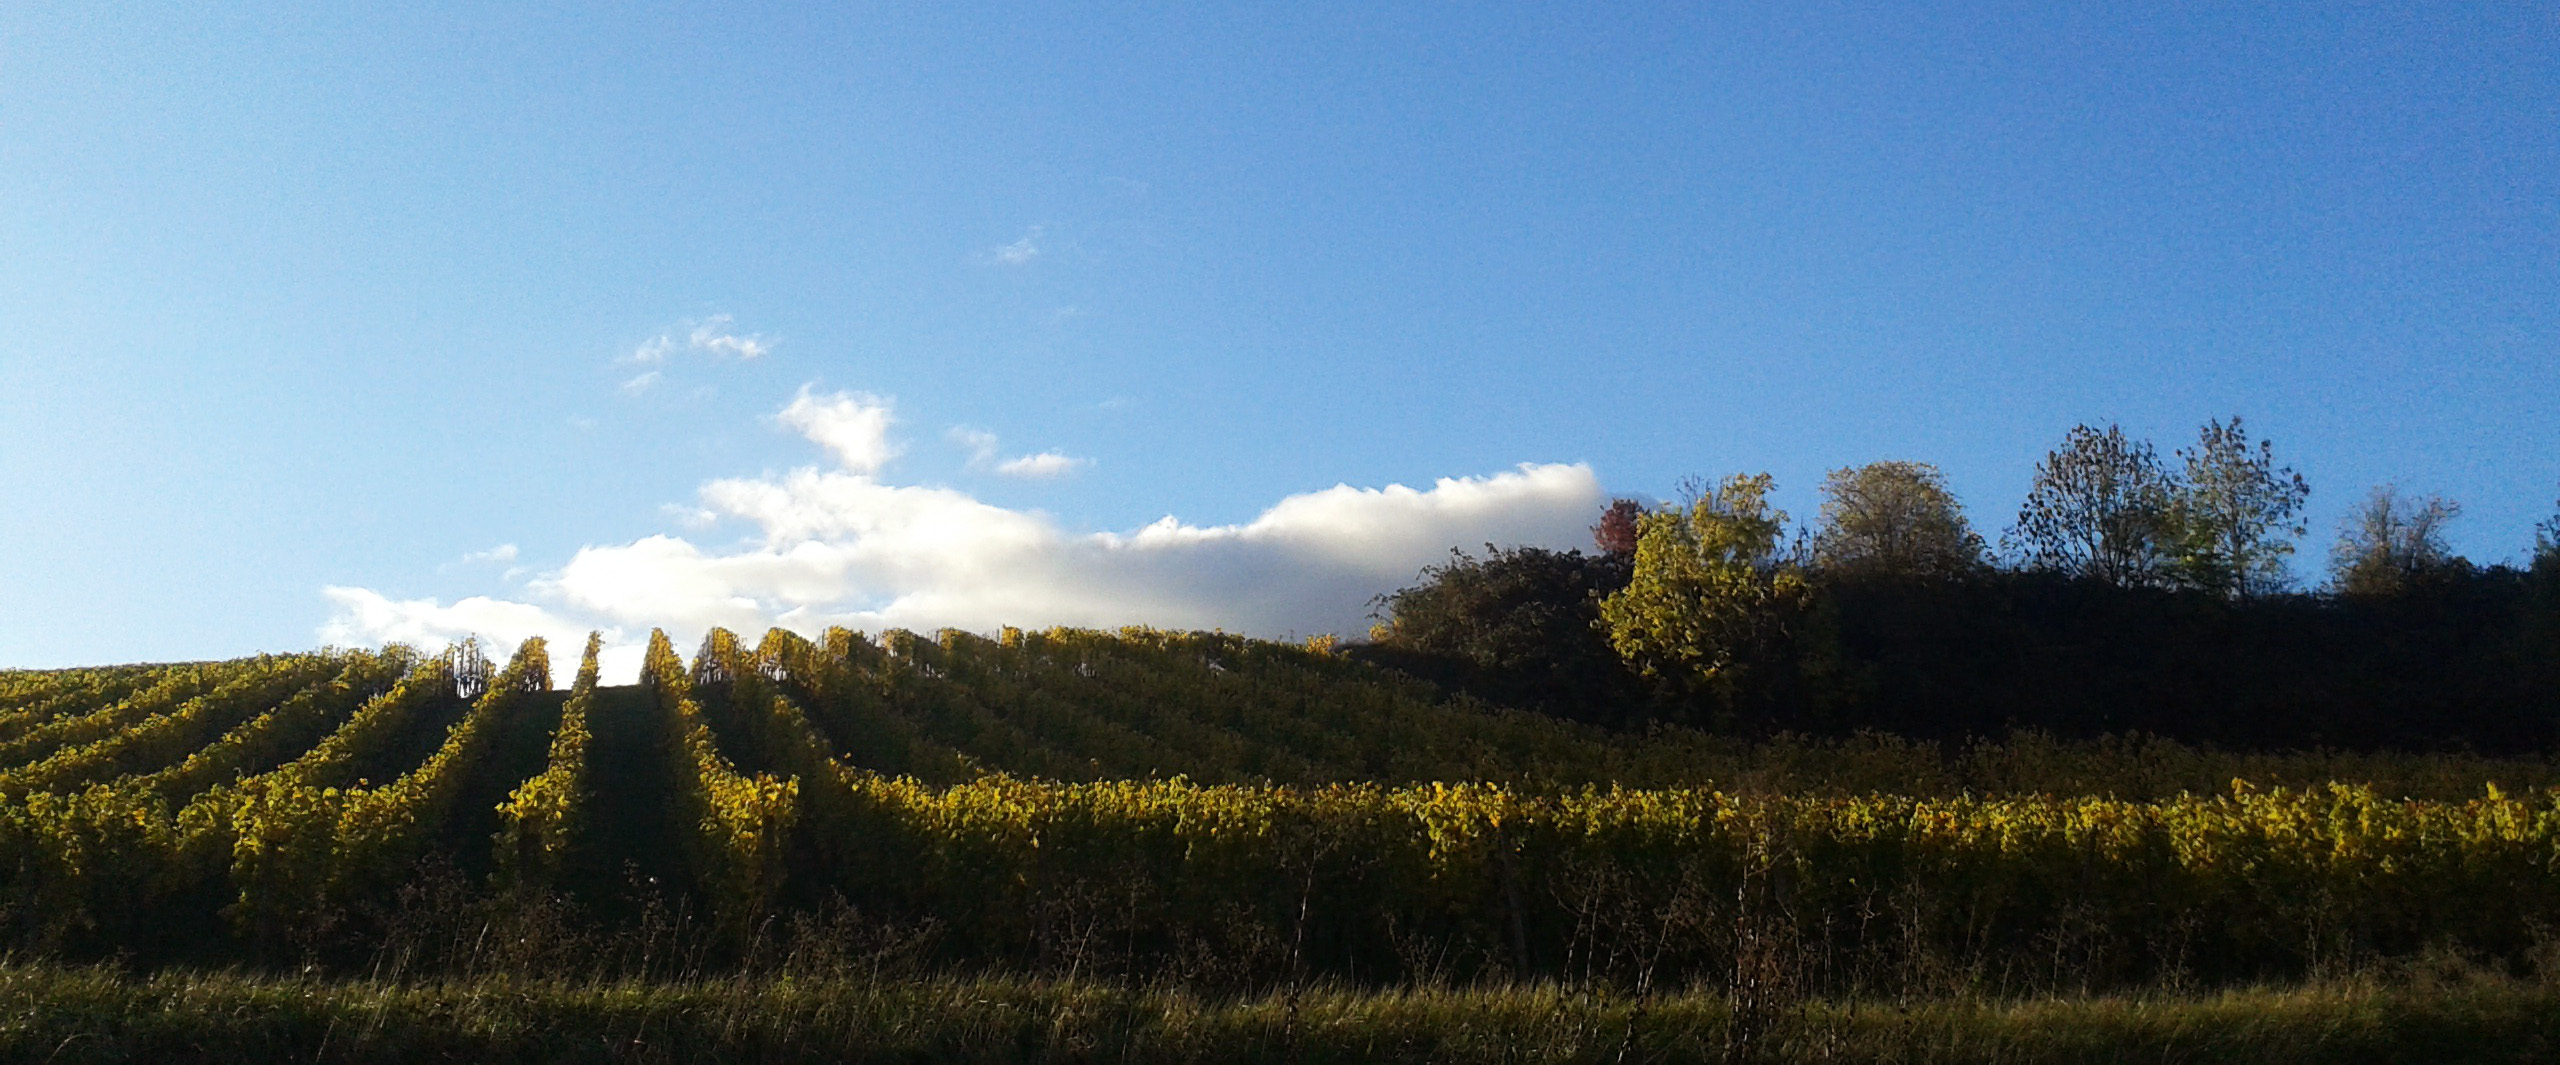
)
(1207, 809)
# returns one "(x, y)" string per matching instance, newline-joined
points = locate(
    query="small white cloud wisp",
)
(500, 553)
(716, 335)
(979, 443)
(982, 447)
(841, 546)
(1020, 252)
(1044, 464)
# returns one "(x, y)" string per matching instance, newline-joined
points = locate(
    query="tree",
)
(1709, 598)
(2392, 542)
(1517, 626)
(1894, 518)
(1616, 533)
(2546, 542)
(2099, 508)
(2232, 517)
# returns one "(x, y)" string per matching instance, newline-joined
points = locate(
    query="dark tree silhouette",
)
(2099, 508)
(1517, 626)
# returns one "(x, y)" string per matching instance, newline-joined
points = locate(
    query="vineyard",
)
(1204, 809)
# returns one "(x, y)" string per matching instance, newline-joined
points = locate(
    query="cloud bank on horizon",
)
(841, 545)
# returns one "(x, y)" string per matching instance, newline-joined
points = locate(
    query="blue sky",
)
(295, 298)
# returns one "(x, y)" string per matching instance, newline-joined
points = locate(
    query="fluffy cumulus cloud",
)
(852, 426)
(364, 616)
(840, 545)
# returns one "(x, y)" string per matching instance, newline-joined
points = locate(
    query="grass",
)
(57, 1014)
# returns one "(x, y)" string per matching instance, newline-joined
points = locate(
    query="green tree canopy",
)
(2232, 518)
(1709, 597)
(1894, 519)
(2392, 542)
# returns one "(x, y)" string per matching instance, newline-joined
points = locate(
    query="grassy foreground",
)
(52, 1014)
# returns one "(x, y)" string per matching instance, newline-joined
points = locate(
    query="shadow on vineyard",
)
(1140, 840)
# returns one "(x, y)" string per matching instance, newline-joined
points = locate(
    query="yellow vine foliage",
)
(1010, 788)
(737, 825)
(544, 816)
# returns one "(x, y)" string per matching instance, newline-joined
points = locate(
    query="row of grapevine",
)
(831, 811)
(1356, 722)
(775, 757)
(733, 828)
(1084, 705)
(1628, 883)
(946, 708)
(368, 738)
(916, 690)
(385, 830)
(107, 861)
(1085, 711)
(544, 817)
(1288, 704)
(171, 688)
(1610, 882)
(296, 845)
(283, 843)
(33, 697)
(285, 730)
(168, 736)
(21, 687)
(851, 694)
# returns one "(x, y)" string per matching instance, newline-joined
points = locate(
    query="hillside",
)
(1206, 809)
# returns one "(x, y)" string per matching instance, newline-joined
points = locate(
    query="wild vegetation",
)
(55, 1015)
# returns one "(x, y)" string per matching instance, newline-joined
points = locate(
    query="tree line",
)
(2132, 593)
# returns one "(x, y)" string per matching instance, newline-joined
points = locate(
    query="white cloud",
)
(500, 553)
(367, 617)
(853, 426)
(1044, 464)
(364, 615)
(690, 517)
(983, 446)
(714, 336)
(980, 443)
(1021, 251)
(841, 547)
